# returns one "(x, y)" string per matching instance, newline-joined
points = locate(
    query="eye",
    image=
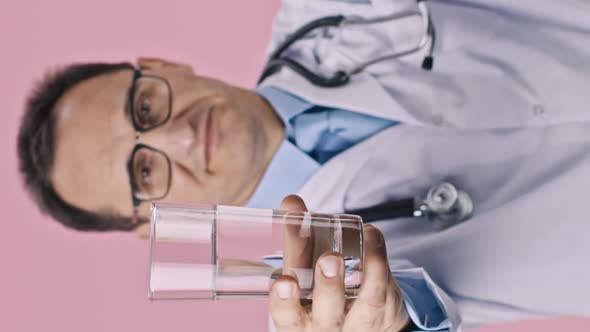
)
(143, 111)
(145, 108)
(145, 172)
(150, 173)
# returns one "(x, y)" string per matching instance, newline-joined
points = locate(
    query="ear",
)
(158, 63)
(143, 231)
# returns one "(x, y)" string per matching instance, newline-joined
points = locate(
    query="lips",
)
(203, 121)
(210, 136)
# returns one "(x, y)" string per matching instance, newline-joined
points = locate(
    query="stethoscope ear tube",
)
(340, 78)
(305, 29)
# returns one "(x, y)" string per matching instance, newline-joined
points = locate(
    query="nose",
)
(177, 140)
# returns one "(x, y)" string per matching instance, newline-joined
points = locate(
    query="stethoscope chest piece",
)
(446, 206)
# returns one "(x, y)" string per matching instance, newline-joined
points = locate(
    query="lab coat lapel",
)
(335, 177)
(510, 258)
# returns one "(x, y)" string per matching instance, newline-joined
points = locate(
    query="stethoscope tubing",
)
(340, 78)
(460, 206)
(403, 208)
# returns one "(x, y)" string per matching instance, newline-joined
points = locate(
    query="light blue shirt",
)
(314, 134)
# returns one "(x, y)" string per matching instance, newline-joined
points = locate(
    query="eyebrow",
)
(127, 105)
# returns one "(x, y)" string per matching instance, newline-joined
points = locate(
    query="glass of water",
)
(209, 252)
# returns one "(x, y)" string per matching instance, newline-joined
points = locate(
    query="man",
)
(214, 143)
(98, 140)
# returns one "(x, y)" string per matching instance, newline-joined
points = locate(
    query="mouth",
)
(210, 138)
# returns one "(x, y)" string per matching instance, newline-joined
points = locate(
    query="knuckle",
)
(328, 326)
(375, 303)
(374, 295)
(289, 321)
(291, 325)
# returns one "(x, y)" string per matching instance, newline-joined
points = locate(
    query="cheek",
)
(205, 190)
(212, 191)
(184, 189)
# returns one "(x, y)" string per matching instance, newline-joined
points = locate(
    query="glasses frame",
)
(137, 74)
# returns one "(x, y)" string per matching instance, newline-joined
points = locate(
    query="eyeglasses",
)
(149, 105)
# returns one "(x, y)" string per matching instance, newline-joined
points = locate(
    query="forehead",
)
(93, 139)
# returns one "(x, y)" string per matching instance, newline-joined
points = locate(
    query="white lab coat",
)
(504, 115)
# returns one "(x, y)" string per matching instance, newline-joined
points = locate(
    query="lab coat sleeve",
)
(428, 306)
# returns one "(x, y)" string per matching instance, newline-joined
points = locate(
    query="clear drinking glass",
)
(208, 252)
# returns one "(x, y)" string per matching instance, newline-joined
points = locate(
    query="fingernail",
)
(284, 290)
(330, 266)
(373, 239)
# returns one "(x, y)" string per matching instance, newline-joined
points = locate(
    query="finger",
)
(376, 272)
(297, 249)
(293, 203)
(240, 267)
(297, 246)
(380, 300)
(395, 313)
(328, 293)
(285, 309)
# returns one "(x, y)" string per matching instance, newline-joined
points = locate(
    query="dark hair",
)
(36, 148)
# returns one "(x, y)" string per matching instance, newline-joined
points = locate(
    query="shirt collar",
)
(285, 104)
(290, 167)
(286, 174)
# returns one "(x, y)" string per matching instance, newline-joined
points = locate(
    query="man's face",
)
(223, 164)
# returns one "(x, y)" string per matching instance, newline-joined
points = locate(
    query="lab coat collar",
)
(363, 94)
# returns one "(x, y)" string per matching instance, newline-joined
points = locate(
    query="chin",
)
(241, 144)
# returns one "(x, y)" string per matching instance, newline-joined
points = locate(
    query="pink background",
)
(52, 279)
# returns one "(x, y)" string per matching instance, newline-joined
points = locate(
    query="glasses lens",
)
(150, 174)
(151, 102)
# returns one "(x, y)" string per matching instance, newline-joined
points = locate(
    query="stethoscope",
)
(277, 59)
(444, 205)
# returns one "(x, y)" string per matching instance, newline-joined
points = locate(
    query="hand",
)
(379, 306)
